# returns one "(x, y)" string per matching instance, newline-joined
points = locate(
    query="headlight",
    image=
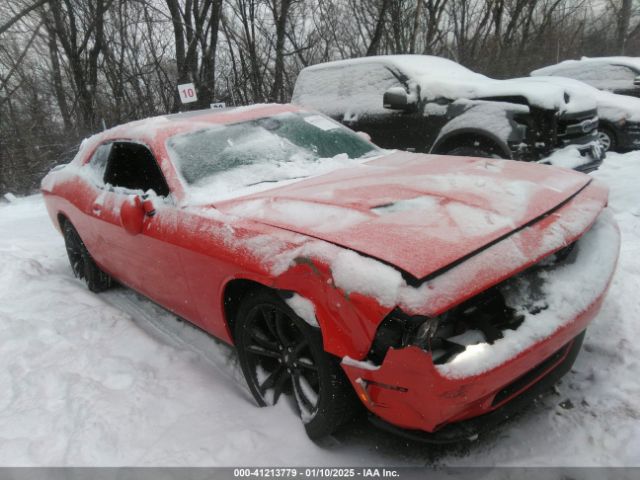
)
(397, 330)
(482, 318)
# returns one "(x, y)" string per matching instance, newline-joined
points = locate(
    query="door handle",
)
(96, 208)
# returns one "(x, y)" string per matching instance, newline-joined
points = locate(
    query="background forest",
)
(69, 68)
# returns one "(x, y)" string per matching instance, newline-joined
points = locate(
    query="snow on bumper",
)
(584, 158)
(410, 391)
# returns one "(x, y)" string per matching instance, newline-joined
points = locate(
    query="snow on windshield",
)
(230, 160)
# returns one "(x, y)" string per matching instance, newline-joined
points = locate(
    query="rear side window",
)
(132, 166)
(347, 89)
(362, 87)
(318, 89)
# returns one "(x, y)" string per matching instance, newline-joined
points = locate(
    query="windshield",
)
(226, 158)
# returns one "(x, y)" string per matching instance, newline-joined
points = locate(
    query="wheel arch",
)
(467, 137)
(61, 218)
(235, 290)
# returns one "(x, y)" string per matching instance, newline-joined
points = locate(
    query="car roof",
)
(420, 63)
(631, 62)
(148, 129)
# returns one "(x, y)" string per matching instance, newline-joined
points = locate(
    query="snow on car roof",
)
(148, 129)
(438, 78)
(611, 107)
(415, 63)
(631, 62)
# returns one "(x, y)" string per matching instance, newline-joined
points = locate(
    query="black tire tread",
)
(97, 280)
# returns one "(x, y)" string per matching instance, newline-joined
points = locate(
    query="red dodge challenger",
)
(439, 292)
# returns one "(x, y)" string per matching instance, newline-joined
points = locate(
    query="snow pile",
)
(567, 157)
(304, 308)
(491, 116)
(114, 380)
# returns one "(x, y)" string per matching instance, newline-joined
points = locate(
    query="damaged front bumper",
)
(583, 158)
(593, 155)
(449, 401)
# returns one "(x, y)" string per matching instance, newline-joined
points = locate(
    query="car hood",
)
(419, 213)
(438, 80)
(611, 107)
(549, 96)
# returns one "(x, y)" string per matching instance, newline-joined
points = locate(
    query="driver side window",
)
(132, 166)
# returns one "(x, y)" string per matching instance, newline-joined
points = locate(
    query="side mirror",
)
(396, 98)
(133, 211)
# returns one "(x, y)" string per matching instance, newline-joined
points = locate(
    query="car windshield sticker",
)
(321, 122)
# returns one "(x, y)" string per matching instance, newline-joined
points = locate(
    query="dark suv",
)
(430, 104)
(619, 75)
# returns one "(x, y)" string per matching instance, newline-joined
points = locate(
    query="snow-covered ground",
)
(112, 379)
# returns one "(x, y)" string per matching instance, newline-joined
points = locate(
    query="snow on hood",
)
(441, 78)
(416, 212)
(611, 107)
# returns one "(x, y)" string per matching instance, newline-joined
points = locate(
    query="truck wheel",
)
(607, 139)
(473, 152)
(280, 354)
(82, 264)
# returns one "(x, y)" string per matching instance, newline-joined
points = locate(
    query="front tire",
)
(83, 266)
(280, 354)
(607, 139)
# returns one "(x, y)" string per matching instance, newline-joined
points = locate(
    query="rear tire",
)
(281, 354)
(82, 265)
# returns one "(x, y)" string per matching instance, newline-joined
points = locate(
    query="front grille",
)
(632, 127)
(531, 376)
(577, 127)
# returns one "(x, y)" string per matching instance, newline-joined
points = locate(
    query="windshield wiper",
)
(276, 180)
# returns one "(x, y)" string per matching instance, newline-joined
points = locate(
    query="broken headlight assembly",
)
(481, 319)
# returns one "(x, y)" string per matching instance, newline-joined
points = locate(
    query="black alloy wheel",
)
(281, 355)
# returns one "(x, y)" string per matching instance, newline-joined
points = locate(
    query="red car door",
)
(148, 262)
